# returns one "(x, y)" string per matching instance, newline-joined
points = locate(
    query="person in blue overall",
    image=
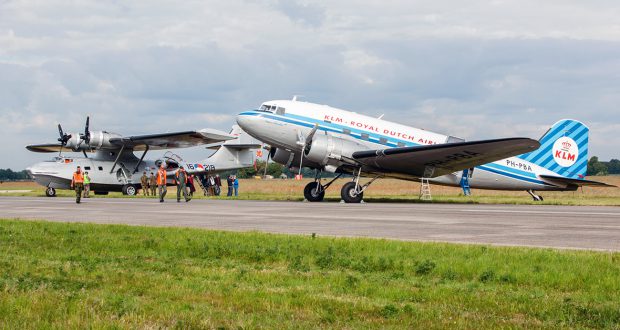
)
(236, 185)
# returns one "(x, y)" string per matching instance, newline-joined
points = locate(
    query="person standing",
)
(144, 182)
(86, 185)
(161, 182)
(77, 183)
(181, 177)
(211, 186)
(153, 184)
(236, 186)
(190, 185)
(229, 182)
(218, 185)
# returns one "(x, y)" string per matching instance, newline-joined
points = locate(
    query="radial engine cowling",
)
(326, 149)
(101, 139)
(290, 159)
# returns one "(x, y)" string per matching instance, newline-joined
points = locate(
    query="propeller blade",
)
(86, 130)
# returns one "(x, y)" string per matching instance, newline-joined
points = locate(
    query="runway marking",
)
(541, 212)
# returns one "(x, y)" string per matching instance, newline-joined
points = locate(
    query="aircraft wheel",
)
(349, 193)
(50, 192)
(129, 190)
(311, 194)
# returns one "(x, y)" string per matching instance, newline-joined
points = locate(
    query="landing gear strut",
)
(536, 198)
(353, 192)
(315, 191)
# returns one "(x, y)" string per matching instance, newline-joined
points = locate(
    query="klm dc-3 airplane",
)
(303, 134)
(113, 166)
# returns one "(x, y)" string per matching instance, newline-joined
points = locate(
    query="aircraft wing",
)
(441, 159)
(573, 182)
(48, 147)
(172, 140)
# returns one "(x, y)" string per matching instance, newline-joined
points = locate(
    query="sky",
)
(475, 69)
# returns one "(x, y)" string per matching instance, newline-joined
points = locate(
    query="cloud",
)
(488, 69)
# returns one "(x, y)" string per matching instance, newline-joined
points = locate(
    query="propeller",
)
(86, 136)
(63, 139)
(306, 143)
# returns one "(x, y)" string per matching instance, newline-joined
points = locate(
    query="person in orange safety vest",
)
(161, 182)
(77, 183)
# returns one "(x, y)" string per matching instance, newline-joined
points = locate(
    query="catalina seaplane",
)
(303, 134)
(113, 166)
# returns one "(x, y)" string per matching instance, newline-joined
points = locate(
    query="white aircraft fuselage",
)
(283, 124)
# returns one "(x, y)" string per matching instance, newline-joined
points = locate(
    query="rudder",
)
(563, 149)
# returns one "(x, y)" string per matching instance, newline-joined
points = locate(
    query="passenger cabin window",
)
(346, 131)
(400, 144)
(100, 168)
(383, 140)
(86, 168)
(364, 136)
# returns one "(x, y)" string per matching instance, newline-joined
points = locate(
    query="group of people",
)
(184, 182)
(155, 184)
(213, 185)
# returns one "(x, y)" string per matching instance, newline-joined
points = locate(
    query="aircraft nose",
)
(246, 121)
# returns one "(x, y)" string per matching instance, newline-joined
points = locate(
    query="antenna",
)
(381, 116)
(295, 97)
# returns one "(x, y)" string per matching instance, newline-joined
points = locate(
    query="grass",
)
(386, 190)
(58, 275)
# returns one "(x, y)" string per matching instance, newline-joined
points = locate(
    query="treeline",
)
(10, 175)
(596, 167)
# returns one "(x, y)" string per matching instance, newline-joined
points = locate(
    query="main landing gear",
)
(353, 192)
(315, 191)
(50, 192)
(537, 198)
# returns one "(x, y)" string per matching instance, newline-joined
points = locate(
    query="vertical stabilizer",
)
(563, 149)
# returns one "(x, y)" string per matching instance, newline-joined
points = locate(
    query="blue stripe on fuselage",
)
(356, 133)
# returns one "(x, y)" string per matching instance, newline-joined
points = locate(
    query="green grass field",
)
(56, 275)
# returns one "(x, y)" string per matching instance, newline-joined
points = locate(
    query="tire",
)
(348, 193)
(310, 192)
(50, 192)
(129, 190)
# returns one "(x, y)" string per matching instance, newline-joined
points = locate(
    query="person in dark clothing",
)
(230, 181)
(190, 185)
(218, 185)
(182, 184)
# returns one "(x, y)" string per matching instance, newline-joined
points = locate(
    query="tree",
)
(595, 167)
(613, 166)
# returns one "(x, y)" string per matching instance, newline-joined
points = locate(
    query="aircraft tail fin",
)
(236, 153)
(563, 149)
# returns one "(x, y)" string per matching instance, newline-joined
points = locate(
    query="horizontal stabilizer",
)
(440, 159)
(574, 182)
(242, 146)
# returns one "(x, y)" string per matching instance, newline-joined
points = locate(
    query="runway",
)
(574, 227)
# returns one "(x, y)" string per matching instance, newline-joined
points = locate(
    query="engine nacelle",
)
(326, 149)
(290, 159)
(98, 140)
(101, 139)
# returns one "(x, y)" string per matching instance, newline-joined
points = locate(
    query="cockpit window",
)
(267, 108)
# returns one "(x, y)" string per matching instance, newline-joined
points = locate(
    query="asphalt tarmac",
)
(572, 227)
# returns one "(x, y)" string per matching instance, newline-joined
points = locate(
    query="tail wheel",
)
(312, 194)
(50, 192)
(349, 193)
(129, 190)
